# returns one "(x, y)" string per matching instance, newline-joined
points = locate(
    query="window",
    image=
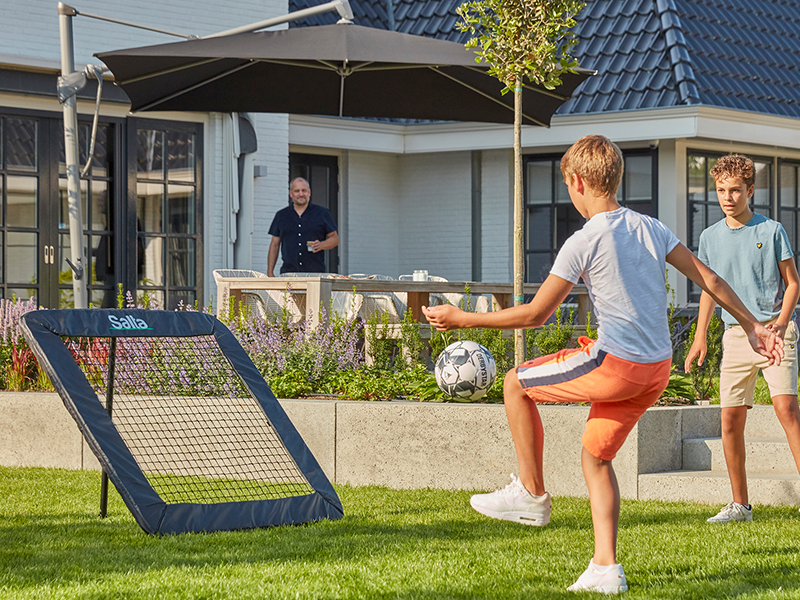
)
(789, 201)
(703, 206)
(550, 217)
(20, 185)
(167, 213)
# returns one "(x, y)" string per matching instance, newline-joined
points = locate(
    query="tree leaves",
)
(530, 39)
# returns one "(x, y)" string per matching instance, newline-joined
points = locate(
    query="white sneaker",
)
(608, 579)
(514, 503)
(733, 512)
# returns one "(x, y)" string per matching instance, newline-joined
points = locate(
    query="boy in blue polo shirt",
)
(751, 253)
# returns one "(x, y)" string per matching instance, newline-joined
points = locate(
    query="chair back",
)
(237, 273)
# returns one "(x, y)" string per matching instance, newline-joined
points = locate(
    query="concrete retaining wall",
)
(398, 444)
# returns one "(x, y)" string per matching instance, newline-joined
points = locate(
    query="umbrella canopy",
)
(338, 70)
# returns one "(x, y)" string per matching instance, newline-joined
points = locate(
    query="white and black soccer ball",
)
(465, 370)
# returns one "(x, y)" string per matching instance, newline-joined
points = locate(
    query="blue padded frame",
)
(42, 330)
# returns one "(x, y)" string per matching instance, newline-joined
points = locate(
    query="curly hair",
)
(597, 160)
(735, 166)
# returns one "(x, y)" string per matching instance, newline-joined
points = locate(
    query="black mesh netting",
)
(195, 430)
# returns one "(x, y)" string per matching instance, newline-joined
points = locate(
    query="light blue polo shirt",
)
(747, 258)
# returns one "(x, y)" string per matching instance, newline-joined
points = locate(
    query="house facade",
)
(162, 202)
(679, 83)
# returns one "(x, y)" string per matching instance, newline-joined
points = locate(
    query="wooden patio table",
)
(318, 291)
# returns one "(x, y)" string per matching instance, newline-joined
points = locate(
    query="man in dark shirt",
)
(301, 231)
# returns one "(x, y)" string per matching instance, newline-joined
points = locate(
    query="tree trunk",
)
(519, 248)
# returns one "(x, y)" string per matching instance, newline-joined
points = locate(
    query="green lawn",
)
(391, 544)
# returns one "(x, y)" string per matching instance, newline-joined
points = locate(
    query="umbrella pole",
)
(77, 260)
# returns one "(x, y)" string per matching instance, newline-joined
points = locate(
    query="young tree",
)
(522, 40)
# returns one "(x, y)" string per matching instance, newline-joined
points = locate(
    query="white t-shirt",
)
(621, 257)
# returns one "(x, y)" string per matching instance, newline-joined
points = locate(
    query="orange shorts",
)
(619, 390)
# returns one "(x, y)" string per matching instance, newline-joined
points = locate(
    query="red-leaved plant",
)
(21, 369)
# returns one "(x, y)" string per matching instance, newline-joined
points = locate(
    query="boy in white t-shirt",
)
(621, 255)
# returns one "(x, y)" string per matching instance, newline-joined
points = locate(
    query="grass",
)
(391, 544)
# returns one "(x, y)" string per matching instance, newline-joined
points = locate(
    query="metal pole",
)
(78, 260)
(342, 6)
(112, 361)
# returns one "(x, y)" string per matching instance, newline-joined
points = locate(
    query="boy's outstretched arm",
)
(763, 340)
(791, 283)
(550, 295)
(699, 345)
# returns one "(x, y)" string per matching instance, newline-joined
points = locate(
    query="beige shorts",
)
(740, 366)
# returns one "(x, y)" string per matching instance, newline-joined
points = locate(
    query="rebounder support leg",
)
(112, 358)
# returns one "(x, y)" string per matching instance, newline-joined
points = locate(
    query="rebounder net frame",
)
(196, 440)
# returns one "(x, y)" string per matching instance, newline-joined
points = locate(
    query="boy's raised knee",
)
(511, 380)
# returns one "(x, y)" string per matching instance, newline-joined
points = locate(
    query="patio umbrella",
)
(338, 70)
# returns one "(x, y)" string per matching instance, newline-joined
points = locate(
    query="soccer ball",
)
(465, 370)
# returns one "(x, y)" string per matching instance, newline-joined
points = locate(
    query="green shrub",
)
(381, 346)
(552, 337)
(411, 344)
(703, 377)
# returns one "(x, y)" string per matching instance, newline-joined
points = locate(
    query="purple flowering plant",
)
(18, 368)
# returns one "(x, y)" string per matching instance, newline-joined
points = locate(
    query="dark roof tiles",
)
(741, 54)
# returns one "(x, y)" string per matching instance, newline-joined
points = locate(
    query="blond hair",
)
(735, 166)
(597, 160)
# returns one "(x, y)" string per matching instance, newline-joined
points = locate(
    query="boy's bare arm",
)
(790, 295)
(550, 295)
(763, 340)
(699, 345)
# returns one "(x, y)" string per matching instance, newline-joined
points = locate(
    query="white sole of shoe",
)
(617, 589)
(517, 517)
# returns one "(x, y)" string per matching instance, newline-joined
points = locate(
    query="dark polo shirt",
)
(295, 230)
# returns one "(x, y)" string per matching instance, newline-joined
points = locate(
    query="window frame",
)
(556, 180)
(692, 291)
(795, 210)
(196, 128)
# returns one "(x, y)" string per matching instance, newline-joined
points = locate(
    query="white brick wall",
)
(272, 191)
(30, 28)
(497, 202)
(373, 213)
(414, 212)
(436, 214)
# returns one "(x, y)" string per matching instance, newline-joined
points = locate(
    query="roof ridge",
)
(678, 52)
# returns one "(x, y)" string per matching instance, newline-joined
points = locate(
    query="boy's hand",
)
(779, 330)
(444, 317)
(698, 350)
(767, 343)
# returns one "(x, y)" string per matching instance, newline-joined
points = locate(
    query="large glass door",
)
(141, 206)
(34, 230)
